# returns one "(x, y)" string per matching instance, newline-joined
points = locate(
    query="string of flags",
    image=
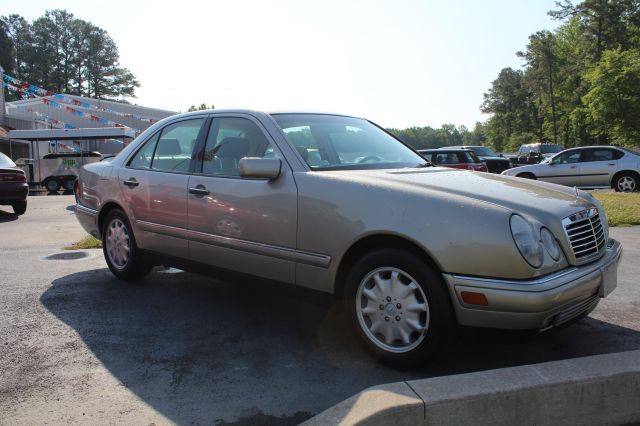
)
(49, 120)
(19, 86)
(79, 113)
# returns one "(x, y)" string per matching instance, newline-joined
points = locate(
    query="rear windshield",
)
(484, 151)
(632, 150)
(6, 161)
(451, 157)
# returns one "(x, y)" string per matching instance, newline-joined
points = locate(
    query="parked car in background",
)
(13, 185)
(455, 158)
(588, 167)
(495, 163)
(336, 204)
(534, 153)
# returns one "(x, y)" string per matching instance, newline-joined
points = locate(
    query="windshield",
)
(6, 161)
(484, 151)
(550, 148)
(331, 142)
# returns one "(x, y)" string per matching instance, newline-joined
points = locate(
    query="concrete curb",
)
(595, 390)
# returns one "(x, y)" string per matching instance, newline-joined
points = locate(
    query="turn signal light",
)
(472, 298)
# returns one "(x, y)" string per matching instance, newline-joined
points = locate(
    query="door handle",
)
(574, 167)
(131, 182)
(199, 190)
(612, 164)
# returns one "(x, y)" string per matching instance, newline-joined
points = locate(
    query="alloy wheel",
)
(118, 243)
(392, 310)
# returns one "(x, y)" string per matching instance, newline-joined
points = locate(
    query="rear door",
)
(598, 166)
(154, 187)
(240, 224)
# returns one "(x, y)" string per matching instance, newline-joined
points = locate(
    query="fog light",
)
(472, 298)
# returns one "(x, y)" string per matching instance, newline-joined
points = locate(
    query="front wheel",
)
(120, 250)
(625, 182)
(527, 176)
(400, 307)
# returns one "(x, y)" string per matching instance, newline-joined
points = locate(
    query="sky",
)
(400, 63)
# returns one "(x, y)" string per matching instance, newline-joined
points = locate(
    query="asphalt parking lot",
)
(79, 346)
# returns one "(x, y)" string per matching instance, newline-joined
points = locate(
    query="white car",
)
(587, 167)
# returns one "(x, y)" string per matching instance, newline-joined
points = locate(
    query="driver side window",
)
(568, 158)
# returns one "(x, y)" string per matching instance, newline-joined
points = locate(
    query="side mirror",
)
(259, 168)
(500, 155)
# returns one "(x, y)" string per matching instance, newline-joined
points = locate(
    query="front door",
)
(244, 225)
(563, 170)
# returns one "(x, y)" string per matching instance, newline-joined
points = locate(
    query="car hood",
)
(539, 199)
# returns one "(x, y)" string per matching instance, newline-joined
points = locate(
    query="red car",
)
(456, 158)
(13, 185)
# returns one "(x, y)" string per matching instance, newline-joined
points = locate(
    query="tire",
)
(527, 176)
(20, 207)
(120, 250)
(69, 184)
(399, 307)
(52, 185)
(626, 182)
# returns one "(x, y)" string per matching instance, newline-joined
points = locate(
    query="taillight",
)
(13, 177)
(78, 190)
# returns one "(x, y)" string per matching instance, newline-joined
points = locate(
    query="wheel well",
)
(525, 175)
(104, 212)
(366, 244)
(631, 172)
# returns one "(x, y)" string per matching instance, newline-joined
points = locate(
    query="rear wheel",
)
(120, 250)
(20, 207)
(625, 182)
(399, 307)
(52, 184)
(69, 184)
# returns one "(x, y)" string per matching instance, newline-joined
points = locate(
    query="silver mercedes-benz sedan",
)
(588, 167)
(336, 204)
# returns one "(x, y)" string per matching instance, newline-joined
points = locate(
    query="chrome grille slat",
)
(585, 233)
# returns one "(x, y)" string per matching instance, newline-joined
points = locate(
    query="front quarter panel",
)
(462, 235)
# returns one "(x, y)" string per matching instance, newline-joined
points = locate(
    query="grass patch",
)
(87, 242)
(623, 209)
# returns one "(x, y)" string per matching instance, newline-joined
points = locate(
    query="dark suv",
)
(534, 153)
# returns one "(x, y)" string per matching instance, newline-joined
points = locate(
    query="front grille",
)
(585, 233)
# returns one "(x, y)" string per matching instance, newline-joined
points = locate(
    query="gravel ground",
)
(78, 346)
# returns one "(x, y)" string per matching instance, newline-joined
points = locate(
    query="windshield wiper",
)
(425, 164)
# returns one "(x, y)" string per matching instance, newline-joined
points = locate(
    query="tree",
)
(201, 107)
(541, 65)
(613, 102)
(68, 55)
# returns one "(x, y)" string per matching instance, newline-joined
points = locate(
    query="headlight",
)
(550, 244)
(526, 241)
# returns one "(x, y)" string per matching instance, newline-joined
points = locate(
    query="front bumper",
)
(540, 303)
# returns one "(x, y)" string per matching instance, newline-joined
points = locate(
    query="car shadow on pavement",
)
(247, 351)
(7, 217)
